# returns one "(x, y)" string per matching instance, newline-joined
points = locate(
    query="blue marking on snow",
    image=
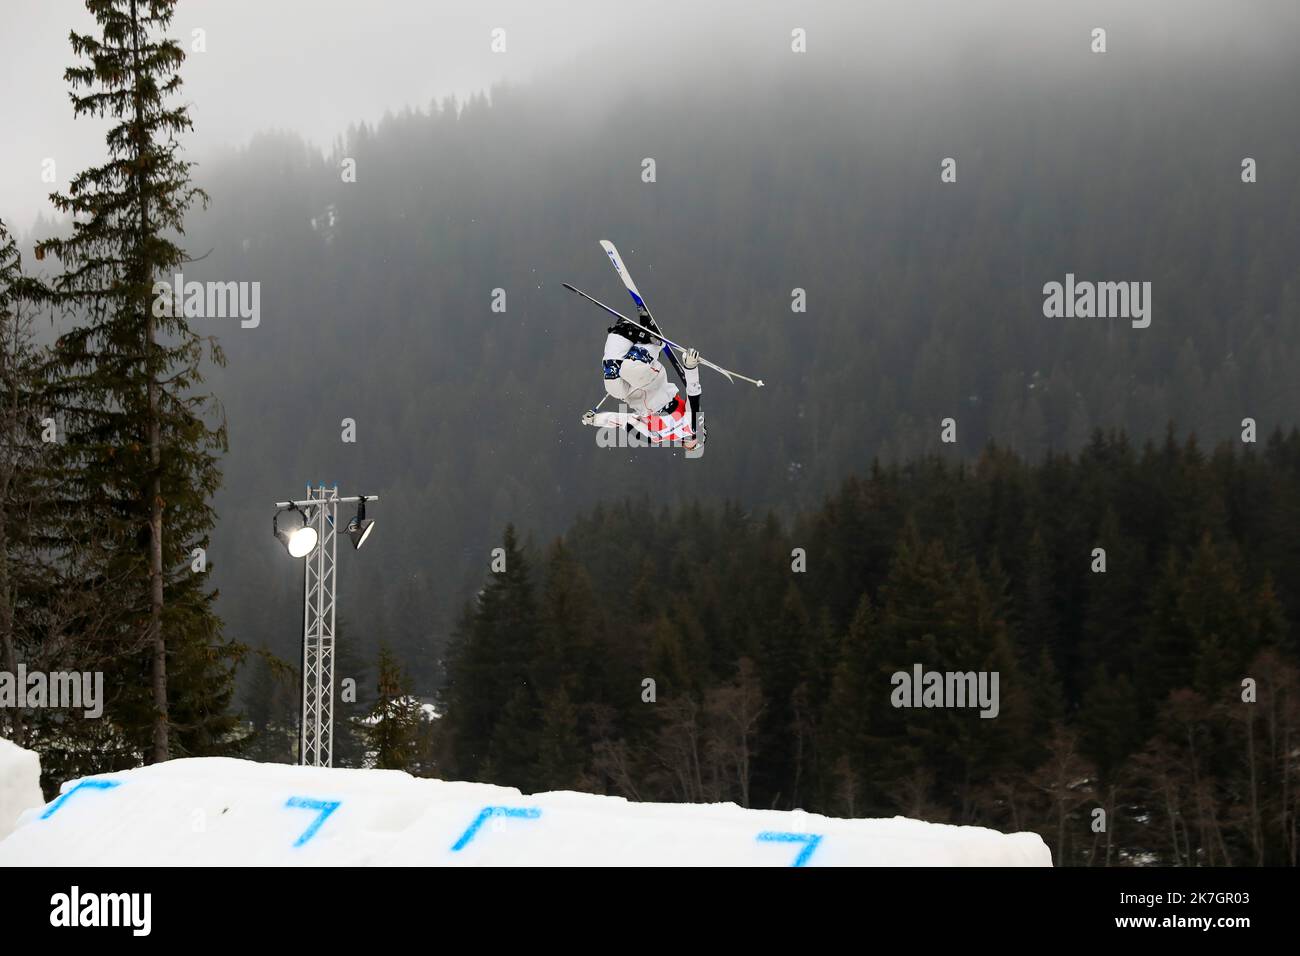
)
(526, 813)
(84, 785)
(810, 841)
(324, 808)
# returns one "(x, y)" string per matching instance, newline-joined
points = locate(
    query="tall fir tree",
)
(19, 375)
(49, 620)
(396, 730)
(272, 709)
(560, 750)
(491, 704)
(352, 696)
(140, 457)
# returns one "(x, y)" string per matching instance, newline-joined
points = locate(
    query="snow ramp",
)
(217, 811)
(20, 784)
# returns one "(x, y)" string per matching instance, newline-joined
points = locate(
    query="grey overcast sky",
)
(315, 66)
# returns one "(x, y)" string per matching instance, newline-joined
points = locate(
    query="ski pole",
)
(662, 338)
(595, 408)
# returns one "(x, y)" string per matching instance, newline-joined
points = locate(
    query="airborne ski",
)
(642, 310)
(668, 344)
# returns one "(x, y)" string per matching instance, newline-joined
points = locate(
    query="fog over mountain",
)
(315, 67)
(924, 298)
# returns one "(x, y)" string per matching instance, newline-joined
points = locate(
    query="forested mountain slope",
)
(924, 299)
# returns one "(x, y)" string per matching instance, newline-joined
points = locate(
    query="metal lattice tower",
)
(316, 733)
(319, 602)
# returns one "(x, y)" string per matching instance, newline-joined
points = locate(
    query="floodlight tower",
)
(314, 540)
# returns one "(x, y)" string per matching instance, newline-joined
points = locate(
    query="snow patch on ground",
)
(20, 784)
(217, 811)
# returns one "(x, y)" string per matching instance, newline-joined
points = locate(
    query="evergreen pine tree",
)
(491, 661)
(350, 740)
(785, 663)
(395, 733)
(48, 589)
(19, 462)
(140, 458)
(560, 756)
(1110, 721)
(271, 706)
(856, 697)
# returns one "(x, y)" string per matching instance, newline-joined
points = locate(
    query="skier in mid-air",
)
(652, 407)
(636, 379)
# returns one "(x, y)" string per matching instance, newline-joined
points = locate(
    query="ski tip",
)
(760, 383)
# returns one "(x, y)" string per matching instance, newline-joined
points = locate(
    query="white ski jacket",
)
(635, 377)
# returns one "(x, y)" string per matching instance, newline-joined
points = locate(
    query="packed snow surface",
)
(217, 811)
(20, 783)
